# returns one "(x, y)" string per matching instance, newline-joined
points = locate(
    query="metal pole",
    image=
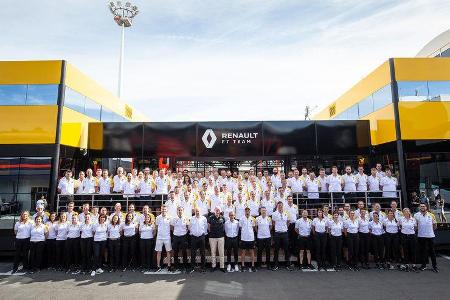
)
(122, 45)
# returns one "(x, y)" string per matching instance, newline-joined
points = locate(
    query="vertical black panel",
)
(122, 139)
(163, 139)
(229, 139)
(289, 137)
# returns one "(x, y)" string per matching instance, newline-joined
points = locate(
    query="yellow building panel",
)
(96, 136)
(422, 69)
(28, 124)
(30, 72)
(382, 125)
(368, 85)
(74, 128)
(425, 120)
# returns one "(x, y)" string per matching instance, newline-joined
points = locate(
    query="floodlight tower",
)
(123, 16)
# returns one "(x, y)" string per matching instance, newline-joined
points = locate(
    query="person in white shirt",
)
(114, 236)
(40, 212)
(129, 230)
(397, 212)
(86, 240)
(163, 237)
(426, 225)
(335, 229)
(38, 234)
(179, 226)
(105, 184)
(118, 181)
(296, 183)
(22, 230)
(231, 241)
(335, 185)
(292, 213)
(264, 238)
(323, 179)
(389, 185)
(281, 238)
(247, 225)
(380, 173)
(146, 187)
(198, 228)
(319, 230)
(66, 187)
(373, 182)
(50, 242)
(377, 237)
(72, 246)
(268, 202)
(253, 203)
(361, 182)
(100, 235)
(61, 236)
(162, 185)
(89, 183)
(228, 207)
(349, 184)
(129, 187)
(275, 178)
(84, 212)
(303, 228)
(146, 242)
(351, 228)
(313, 187)
(363, 231)
(408, 229)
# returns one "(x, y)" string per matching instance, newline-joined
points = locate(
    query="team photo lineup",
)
(164, 222)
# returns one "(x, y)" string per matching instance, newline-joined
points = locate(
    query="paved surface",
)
(367, 284)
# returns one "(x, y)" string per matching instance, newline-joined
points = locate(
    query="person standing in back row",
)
(426, 225)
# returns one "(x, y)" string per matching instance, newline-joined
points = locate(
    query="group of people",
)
(230, 215)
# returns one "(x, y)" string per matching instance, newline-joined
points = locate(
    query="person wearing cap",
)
(426, 225)
(42, 202)
(216, 229)
(231, 242)
(280, 222)
(247, 225)
(179, 226)
(40, 212)
(198, 228)
(263, 241)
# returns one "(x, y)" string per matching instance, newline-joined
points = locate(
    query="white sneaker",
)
(93, 273)
(99, 271)
(229, 268)
(236, 268)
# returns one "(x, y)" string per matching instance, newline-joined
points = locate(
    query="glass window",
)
(92, 109)
(14, 94)
(412, 90)
(74, 100)
(107, 115)
(439, 90)
(42, 94)
(382, 97)
(365, 106)
(352, 112)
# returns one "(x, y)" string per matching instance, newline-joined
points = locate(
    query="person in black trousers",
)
(37, 241)
(22, 230)
(86, 243)
(232, 242)
(129, 230)
(391, 240)
(263, 237)
(363, 232)
(198, 228)
(147, 242)
(100, 235)
(61, 237)
(319, 225)
(408, 226)
(351, 228)
(179, 226)
(114, 234)
(72, 246)
(50, 242)
(377, 239)
(426, 225)
(280, 238)
(335, 229)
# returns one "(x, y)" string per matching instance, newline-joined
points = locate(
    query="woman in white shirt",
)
(73, 245)
(392, 247)
(335, 228)
(377, 238)
(61, 237)
(100, 231)
(231, 241)
(114, 234)
(22, 230)
(363, 232)
(50, 242)
(147, 242)
(351, 228)
(38, 234)
(129, 229)
(319, 230)
(86, 241)
(408, 226)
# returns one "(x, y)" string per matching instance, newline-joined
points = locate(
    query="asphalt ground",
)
(264, 284)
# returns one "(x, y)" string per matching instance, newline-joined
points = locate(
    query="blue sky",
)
(224, 59)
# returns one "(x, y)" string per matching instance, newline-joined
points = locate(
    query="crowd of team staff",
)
(225, 216)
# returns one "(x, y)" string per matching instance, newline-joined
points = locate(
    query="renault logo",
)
(209, 138)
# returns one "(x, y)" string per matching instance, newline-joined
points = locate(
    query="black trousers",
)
(409, 248)
(335, 250)
(353, 248)
(128, 251)
(263, 245)
(36, 254)
(72, 255)
(378, 248)
(392, 246)
(364, 248)
(86, 253)
(114, 253)
(426, 249)
(60, 254)
(281, 240)
(198, 242)
(99, 249)
(21, 254)
(50, 250)
(232, 245)
(146, 248)
(292, 238)
(320, 248)
(179, 243)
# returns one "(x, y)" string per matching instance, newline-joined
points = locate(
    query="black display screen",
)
(289, 137)
(164, 139)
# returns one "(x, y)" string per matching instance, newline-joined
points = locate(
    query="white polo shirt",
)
(280, 220)
(61, 231)
(334, 183)
(129, 229)
(361, 180)
(292, 212)
(231, 228)
(114, 231)
(296, 185)
(162, 185)
(247, 232)
(323, 183)
(86, 230)
(104, 185)
(118, 183)
(51, 230)
(376, 228)
(145, 187)
(67, 187)
(226, 211)
(179, 225)
(73, 231)
(349, 182)
(304, 227)
(351, 226)
(89, 185)
(263, 225)
(37, 233)
(240, 209)
(269, 204)
(129, 188)
(389, 185)
(320, 226)
(425, 224)
(312, 187)
(146, 231)
(408, 226)
(100, 232)
(374, 183)
(390, 225)
(163, 227)
(198, 226)
(364, 224)
(254, 207)
(336, 228)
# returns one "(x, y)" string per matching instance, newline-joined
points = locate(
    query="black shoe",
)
(435, 270)
(290, 268)
(275, 268)
(311, 267)
(422, 268)
(253, 269)
(13, 271)
(202, 270)
(212, 270)
(223, 270)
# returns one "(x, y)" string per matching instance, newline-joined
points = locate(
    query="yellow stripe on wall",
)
(30, 72)
(74, 128)
(422, 69)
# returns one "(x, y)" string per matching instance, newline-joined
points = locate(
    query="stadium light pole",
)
(123, 16)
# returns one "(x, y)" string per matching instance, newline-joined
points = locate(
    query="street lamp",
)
(123, 16)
